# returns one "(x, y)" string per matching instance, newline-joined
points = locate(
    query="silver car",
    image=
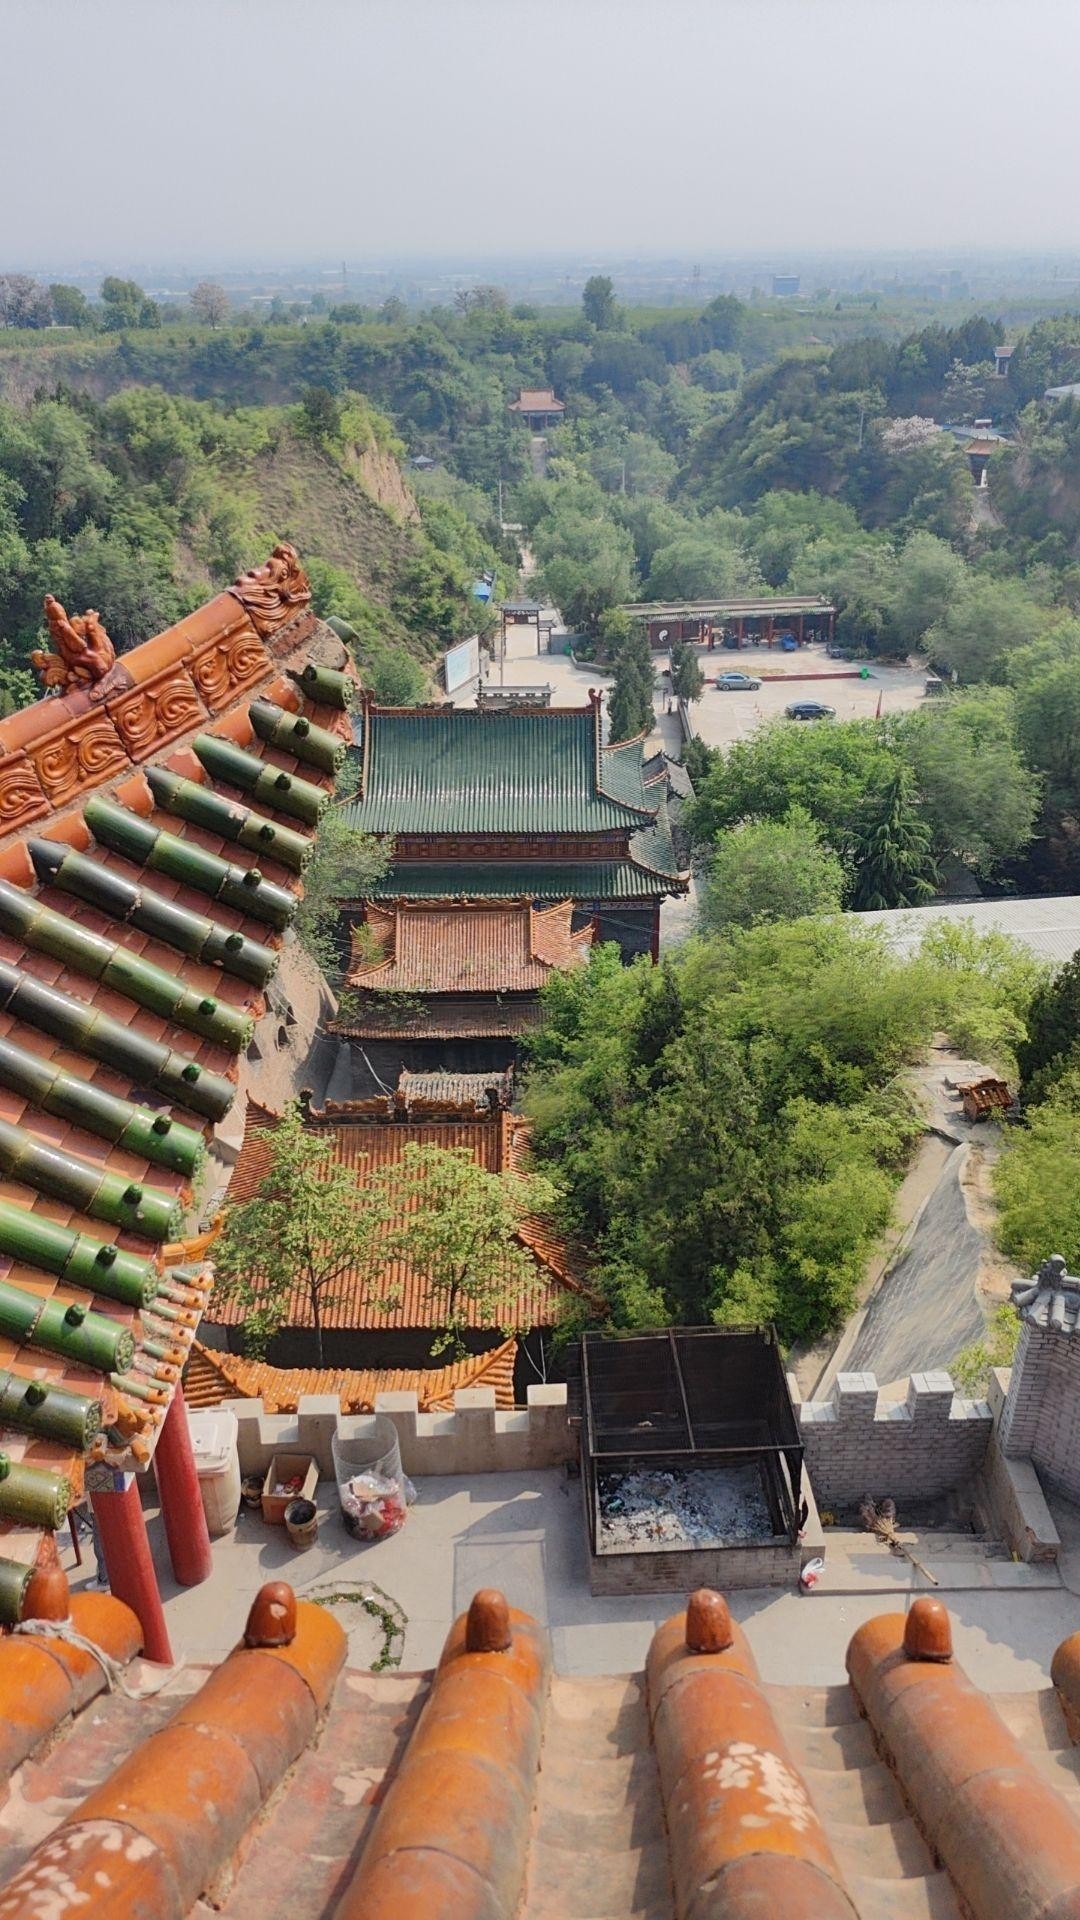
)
(737, 683)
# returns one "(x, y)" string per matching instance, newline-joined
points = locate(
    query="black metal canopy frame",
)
(692, 1397)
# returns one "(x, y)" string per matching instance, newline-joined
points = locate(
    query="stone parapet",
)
(475, 1438)
(920, 1446)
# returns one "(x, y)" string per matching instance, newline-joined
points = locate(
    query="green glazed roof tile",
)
(459, 770)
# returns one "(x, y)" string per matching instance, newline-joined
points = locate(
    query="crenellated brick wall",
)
(475, 1438)
(919, 1447)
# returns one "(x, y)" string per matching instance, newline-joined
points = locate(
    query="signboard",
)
(462, 663)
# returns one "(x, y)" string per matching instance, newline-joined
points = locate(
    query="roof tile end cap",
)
(525, 1659)
(272, 1619)
(316, 1652)
(928, 1631)
(671, 1659)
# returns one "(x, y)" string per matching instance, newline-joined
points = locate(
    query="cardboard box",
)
(287, 1466)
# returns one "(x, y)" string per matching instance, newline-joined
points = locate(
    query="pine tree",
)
(893, 862)
(630, 702)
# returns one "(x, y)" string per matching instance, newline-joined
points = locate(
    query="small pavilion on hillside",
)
(539, 409)
(527, 804)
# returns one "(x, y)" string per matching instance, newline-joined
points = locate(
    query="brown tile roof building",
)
(537, 400)
(488, 946)
(212, 1377)
(154, 821)
(397, 1297)
(495, 1788)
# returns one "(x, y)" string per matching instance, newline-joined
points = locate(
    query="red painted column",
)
(181, 1501)
(130, 1564)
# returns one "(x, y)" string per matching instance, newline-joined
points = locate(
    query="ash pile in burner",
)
(682, 1507)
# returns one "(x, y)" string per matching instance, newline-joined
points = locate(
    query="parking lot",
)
(721, 718)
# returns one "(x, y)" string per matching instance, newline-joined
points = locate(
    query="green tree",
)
(697, 565)
(587, 567)
(395, 678)
(308, 1229)
(972, 1366)
(725, 1127)
(70, 306)
(457, 1227)
(771, 870)
(929, 574)
(687, 679)
(1037, 1182)
(980, 797)
(125, 304)
(985, 983)
(698, 759)
(630, 702)
(893, 862)
(982, 625)
(826, 771)
(320, 413)
(1052, 1044)
(598, 302)
(23, 302)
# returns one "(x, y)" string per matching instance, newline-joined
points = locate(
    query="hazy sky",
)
(287, 130)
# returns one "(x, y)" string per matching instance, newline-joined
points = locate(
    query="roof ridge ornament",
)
(84, 653)
(273, 594)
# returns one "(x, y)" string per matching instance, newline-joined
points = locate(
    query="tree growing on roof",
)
(345, 865)
(456, 1225)
(306, 1229)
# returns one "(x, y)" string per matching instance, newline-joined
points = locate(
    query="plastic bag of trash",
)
(811, 1574)
(373, 1506)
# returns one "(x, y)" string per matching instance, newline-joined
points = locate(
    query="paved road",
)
(926, 1309)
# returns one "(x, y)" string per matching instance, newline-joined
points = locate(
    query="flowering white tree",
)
(903, 436)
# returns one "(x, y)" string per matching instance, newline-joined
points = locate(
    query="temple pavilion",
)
(529, 804)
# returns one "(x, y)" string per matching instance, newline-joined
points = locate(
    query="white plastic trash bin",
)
(214, 1443)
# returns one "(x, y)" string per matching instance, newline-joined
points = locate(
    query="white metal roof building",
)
(1049, 926)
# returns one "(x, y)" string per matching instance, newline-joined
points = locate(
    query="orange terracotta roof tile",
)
(212, 1377)
(482, 947)
(494, 1789)
(396, 1296)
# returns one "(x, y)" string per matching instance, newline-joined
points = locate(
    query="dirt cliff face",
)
(360, 520)
(381, 477)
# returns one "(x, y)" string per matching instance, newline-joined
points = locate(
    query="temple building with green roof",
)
(529, 803)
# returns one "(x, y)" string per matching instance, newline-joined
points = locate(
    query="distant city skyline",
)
(226, 132)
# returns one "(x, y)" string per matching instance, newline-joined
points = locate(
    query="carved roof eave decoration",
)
(61, 748)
